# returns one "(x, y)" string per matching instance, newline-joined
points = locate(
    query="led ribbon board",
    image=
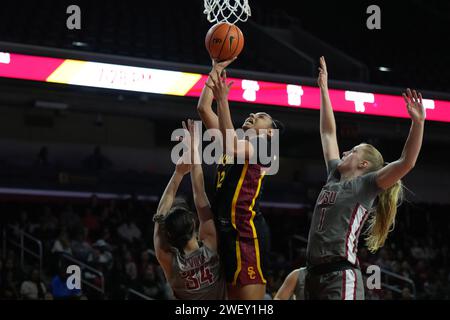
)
(148, 80)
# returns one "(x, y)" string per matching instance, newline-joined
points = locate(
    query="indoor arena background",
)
(82, 168)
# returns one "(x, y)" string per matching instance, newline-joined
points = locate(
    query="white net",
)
(230, 11)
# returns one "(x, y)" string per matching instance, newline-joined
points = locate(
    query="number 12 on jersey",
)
(220, 178)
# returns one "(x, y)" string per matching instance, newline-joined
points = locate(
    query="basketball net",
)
(230, 11)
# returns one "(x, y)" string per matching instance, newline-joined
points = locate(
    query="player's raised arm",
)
(327, 122)
(221, 90)
(161, 248)
(393, 172)
(207, 229)
(204, 106)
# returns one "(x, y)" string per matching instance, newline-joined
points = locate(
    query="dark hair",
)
(179, 225)
(277, 124)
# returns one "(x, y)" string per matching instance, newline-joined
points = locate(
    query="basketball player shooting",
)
(243, 232)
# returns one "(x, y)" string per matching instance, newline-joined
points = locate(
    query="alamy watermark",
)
(262, 147)
(74, 20)
(374, 277)
(374, 20)
(74, 279)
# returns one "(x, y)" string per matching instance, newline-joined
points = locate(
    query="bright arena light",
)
(384, 69)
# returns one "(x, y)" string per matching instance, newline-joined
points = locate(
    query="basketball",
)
(224, 41)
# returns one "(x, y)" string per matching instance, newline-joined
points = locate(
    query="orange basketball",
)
(224, 41)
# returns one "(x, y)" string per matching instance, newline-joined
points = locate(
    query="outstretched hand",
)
(220, 66)
(414, 104)
(322, 80)
(220, 88)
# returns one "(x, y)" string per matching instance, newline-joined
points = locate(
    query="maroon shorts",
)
(244, 259)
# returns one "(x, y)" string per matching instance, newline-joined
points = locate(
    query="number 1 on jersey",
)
(322, 218)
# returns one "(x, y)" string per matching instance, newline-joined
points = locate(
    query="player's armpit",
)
(392, 173)
(207, 234)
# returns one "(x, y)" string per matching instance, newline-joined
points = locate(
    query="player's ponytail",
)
(383, 221)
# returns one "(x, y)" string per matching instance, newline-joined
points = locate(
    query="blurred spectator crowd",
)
(115, 238)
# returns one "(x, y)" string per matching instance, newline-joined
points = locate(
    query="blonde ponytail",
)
(383, 221)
